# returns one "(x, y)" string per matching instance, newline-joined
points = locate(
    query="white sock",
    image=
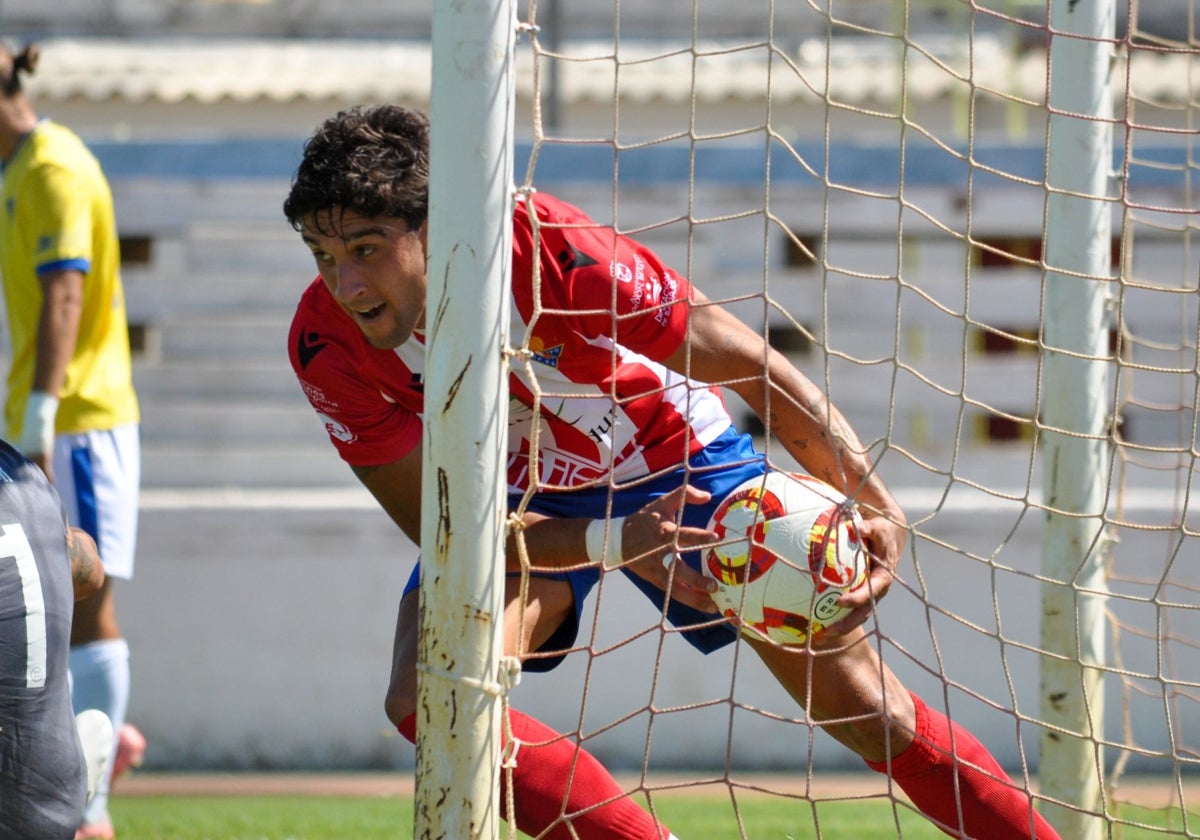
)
(100, 680)
(96, 738)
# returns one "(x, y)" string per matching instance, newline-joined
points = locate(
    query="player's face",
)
(375, 268)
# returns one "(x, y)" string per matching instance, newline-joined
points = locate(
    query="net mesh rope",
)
(867, 186)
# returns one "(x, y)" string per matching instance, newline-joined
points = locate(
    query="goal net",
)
(904, 199)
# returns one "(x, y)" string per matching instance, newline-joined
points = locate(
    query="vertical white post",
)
(466, 420)
(1076, 410)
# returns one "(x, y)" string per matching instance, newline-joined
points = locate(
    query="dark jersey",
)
(43, 780)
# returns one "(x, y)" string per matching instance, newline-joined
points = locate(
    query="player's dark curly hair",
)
(374, 161)
(12, 65)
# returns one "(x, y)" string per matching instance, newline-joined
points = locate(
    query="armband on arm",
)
(37, 429)
(606, 552)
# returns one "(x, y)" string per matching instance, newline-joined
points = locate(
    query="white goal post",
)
(460, 682)
(1077, 412)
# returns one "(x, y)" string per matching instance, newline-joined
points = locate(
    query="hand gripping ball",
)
(788, 548)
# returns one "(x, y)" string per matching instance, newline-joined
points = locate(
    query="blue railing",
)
(866, 165)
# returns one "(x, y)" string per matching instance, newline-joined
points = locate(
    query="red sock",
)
(595, 808)
(993, 807)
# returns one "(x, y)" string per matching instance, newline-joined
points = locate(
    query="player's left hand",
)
(653, 539)
(883, 535)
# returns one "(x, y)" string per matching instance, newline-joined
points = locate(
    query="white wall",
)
(261, 629)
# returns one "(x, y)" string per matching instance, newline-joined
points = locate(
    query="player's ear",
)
(423, 233)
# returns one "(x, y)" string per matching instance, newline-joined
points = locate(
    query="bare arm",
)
(58, 329)
(397, 488)
(87, 573)
(554, 543)
(721, 349)
(649, 538)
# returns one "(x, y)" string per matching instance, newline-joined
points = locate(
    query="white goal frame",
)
(1077, 412)
(1075, 421)
(464, 499)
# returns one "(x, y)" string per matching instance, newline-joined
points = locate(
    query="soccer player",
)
(49, 758)
(71, 404)
(630, 407)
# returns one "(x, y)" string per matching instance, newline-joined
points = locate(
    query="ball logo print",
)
(741, 522)
(823, 552)
(788, 549)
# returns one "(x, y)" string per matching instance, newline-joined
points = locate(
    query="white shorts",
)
(98, 475)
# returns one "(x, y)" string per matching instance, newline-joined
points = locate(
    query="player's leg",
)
(942, 768)
(99, 680)
(848, 690)
(559, 791)
(43, 777)
(98, 477)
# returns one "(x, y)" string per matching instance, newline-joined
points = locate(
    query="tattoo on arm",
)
(85, 563)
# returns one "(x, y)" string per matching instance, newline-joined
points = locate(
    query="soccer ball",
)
(788, 549)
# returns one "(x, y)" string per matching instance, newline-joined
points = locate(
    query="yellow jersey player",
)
(71, 405)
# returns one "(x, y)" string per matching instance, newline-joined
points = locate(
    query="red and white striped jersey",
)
(596, 312)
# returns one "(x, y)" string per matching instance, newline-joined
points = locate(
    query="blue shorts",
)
(718, 468)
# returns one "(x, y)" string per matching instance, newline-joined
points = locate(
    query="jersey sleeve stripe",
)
(73, 264)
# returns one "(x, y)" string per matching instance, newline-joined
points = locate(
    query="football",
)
(788, 548)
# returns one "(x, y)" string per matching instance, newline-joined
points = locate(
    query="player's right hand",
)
(884, 537)
(652, 540)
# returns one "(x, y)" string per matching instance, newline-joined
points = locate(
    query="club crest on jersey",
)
(620, 271)
(545, 355)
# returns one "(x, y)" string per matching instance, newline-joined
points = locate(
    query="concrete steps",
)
(208, 462)
(241, 337)
(236, 379)
(161, 295)
(215, 297)
(225, 421)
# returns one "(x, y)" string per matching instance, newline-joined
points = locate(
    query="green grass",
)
(358, 818)
(703, 817)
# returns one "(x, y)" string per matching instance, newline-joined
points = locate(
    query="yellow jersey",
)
(57, 213)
